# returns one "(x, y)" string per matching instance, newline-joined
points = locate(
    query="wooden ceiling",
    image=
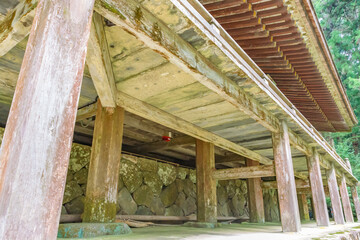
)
(266, 31)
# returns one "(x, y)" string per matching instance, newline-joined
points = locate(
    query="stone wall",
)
(149, 187)
(271, 205)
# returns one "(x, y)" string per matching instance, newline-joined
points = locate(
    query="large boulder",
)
(147, 165)
(131, 175)
(142, 210)
(189, 188)
(221, 195)
(180, 199)
(174, 210)
(157, 206)
(81, 176)
(192, 175)
(169, 195)
(189, 206)
(223, 210)
(126, 203)
(230, 189)
(79, 157)
(72, 191)
(76, 206)
(179, 185)
(167, 173)
(238, 205)
(153, 181)
(143, 196)
(243, 187)
(182, 173)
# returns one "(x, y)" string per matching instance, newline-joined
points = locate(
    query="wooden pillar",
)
(356, 202)
(205, 184)
(255, 196)
(36, 146)
(334, 196)
(345, 200)
(102, 184)
(303, 207)
(288, 203)
(317, 190)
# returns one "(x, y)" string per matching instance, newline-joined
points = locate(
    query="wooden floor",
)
(251, 231)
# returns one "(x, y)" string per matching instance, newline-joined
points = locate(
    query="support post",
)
(317, 189)
(303, 207)
(102, 184)
(255, 195)
(289, 211)
(355, 197)
(334, 196)
(206, 185)
(36, 146)
(345, 200)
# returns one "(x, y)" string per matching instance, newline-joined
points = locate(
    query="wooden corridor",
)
(131, 72)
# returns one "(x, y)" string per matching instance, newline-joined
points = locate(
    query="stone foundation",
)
(271, 205)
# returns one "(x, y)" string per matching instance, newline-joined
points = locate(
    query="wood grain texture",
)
(255, 196)
(32, 176)
(244, 172)
(288, 203)
(334, 196)
(355, 197)
(205, 184)
(317, 189)
(345, 200)
(103, 176)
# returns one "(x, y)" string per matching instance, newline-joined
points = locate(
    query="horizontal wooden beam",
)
(244, 172)
(16, 25)
(162, 145)
(273, 184)
(161, 117)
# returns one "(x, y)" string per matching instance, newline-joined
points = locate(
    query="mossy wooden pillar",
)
(303, 207)
(355, 197)
(288, 203)
(255, 196)
(36, 145)
(102, 184)
(345, 200)
(334, 196)
(205, 184)
(317, 189)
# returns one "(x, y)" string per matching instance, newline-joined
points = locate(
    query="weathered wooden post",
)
(303, 207)
(334, 196)
(205, 184)
(103, 177)
(317, 189)
(288, 203)
(345, 200)
(255, 196)
(355, 197)
(38, 136)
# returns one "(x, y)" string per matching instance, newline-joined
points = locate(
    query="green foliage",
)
(340, 21)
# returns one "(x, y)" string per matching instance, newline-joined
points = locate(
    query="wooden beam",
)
(161, 117)
(38, 134)
(288, 203)
(161, 145)
(334, 196)
(16, 25)
(345, 200)
(317, 189)
(244, 172)
(355, 198)
(231, 158)
(205, 184)
(273, 184)
(86, 112)
(103, 177)
(255, 196)
(99, 63)
(303, 207)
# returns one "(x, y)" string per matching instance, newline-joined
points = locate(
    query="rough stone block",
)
(72, 191)
(131, 175)
(126, 203)
(153, 181)
(167, 173)
(143, 196)
(87, 230)
(169, 195)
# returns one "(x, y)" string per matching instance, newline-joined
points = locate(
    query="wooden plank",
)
(255, 196)
(99, 63)
(205, 184)
(161, 145)
(244, 172)
(154, 114)
(273, 184)
(43, 113)
(334, 196)
(317, 189)
(303, 207)
(355, 197)
(103, 176)
(16, 25)
(288, 203)
(345, 200)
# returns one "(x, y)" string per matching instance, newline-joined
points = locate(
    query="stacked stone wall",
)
(271, 205)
